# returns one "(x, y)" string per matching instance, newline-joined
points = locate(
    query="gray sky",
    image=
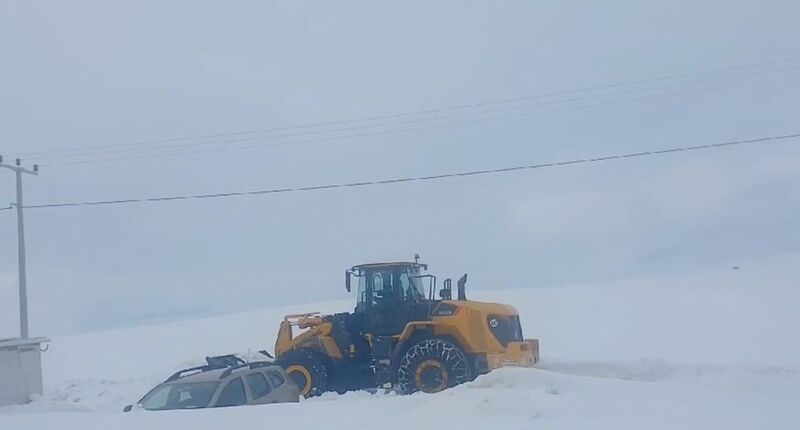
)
(96, 73)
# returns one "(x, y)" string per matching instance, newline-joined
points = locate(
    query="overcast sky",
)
(94, 74)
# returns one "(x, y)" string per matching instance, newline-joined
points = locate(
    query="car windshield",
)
(186, 395)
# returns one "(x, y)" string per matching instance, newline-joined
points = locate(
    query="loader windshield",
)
(394, 284)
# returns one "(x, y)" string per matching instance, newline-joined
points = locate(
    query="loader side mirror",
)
(127, 408)
(347, 274)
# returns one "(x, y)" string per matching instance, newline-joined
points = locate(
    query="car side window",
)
(233, 394)
(258, 385)
(276, 379)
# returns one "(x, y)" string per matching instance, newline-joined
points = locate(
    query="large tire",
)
(309, 370)
(432, 365)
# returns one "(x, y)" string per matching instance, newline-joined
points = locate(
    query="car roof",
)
(216, 374)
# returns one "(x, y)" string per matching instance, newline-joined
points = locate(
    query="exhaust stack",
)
(462, 282)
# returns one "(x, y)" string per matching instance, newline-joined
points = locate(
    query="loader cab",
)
(391, 294)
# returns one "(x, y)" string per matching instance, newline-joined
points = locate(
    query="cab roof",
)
(387, 265)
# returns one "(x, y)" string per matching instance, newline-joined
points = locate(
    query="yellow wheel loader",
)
(401, 337)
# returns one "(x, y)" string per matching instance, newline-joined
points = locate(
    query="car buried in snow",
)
(221, 383)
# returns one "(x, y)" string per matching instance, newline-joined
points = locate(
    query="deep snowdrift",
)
(697, 351)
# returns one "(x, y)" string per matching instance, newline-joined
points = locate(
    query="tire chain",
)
(450, 355)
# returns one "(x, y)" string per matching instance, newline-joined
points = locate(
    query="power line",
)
(379, 125)
(384, 124)
(422, 178)
(134, 146)
(472, 121)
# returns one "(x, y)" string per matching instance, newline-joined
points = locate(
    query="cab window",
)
(382, 290)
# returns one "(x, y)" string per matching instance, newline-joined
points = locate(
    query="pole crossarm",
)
(18, 168)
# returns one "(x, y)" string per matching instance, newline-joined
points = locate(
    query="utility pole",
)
(23, 280)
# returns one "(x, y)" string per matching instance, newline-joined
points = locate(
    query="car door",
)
(261, 391)
(283, 389)
(233, 394)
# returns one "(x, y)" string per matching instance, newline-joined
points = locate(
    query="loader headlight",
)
(493, 322)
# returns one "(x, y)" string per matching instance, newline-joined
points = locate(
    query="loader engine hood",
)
(486, 308)
(480, 327)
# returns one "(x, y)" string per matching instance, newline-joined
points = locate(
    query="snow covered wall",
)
(698, 351)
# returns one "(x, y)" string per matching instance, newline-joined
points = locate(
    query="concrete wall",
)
(13, 384)
(31, 358)
(20, 371)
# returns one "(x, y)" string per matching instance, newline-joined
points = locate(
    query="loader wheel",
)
(308, 370)
(432, 365)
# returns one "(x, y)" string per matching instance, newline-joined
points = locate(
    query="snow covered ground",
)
(707, 350)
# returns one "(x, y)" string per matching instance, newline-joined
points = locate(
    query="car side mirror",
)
(127, 408)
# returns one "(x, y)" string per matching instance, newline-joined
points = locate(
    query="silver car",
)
(215, 386)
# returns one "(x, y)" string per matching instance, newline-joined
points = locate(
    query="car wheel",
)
(308, 370)
(432, 365)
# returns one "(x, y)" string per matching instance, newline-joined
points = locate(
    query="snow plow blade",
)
(517, 354)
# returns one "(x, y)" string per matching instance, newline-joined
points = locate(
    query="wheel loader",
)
(401, 337)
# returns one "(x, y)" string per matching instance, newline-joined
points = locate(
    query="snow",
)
(704, 350)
